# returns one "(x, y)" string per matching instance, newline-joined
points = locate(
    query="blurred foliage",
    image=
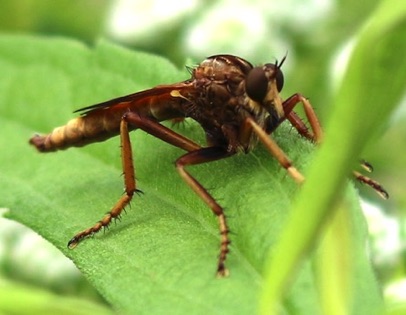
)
(80, 19)
(143, 249)
(312, 47)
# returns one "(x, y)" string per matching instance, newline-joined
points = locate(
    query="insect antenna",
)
(278, 65)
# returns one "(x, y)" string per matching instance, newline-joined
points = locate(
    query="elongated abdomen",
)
(102, 121)
(77, 133)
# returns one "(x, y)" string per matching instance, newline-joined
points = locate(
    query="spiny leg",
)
(316, 134)
(202, 156)
(274, 149)
(153, 128)
(196, 155)
(371, 183)
(130, 188)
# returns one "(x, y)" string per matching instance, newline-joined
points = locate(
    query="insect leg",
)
(130, 188)
(316, 132)
(196, 155)
(202, 156)
(275, 150)
(161, 132)
(152, 128)
(371, 183)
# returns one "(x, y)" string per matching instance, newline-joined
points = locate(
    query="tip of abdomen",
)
(38, 142)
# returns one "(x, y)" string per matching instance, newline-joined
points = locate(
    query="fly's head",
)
(263, 85)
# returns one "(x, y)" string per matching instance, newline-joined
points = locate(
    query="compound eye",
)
(278, 75)
(279, 79)
(256, 84)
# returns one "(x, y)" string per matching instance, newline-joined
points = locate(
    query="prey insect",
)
(236, 104)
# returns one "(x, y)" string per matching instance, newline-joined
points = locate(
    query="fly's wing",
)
(102, 121)
(158, 93)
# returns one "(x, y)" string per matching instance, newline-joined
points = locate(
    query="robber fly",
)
(235, 103)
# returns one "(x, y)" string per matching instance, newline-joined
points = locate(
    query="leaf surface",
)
(162, 255)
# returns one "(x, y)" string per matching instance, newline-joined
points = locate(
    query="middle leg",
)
(205, 155)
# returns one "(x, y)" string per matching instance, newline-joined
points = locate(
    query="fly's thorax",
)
(227, 90)
(219, 85)
(222, 68)
(217, 102)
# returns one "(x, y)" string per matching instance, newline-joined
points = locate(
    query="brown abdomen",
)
(77, 133)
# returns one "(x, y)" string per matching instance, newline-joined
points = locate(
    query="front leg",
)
(250, 125)
(316, 135)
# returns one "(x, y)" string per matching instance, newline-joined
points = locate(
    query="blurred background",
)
(316, 36)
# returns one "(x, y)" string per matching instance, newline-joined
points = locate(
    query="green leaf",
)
(20, 299)
(162, 255)
(372, 86)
